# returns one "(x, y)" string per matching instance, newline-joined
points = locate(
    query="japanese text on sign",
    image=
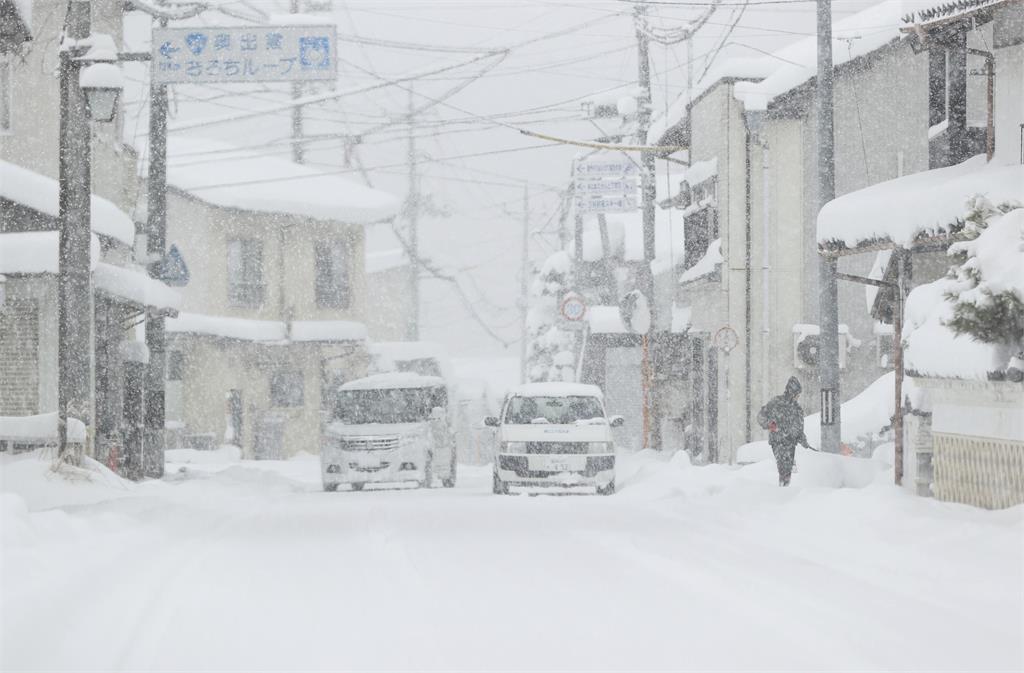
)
(296, 53)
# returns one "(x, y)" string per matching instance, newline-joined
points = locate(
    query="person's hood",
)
(793, 387)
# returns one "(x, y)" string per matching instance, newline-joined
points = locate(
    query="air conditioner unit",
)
(884, 345)
(807, 347)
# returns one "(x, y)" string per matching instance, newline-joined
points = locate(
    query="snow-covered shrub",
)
(549, 353)
(988, 289)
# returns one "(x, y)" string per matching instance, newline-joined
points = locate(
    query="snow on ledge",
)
(134, 285)
(41, 194)
(393, 380)
(926, 203)
(39, 428)
(267, 331)
(555, 389)
(706, 265)
(32, 252)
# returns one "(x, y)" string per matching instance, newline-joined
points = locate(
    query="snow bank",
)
(226, 176)
(36, 481)
(931, 348)
(135, 285)
(865, 415)
(606, 320)
(41, 194)
(32, 252)
(39, 428)
(928, 203)
(222, 455)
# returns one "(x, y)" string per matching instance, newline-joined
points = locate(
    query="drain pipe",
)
(766, 342)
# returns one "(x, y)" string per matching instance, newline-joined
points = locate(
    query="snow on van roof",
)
(394, 380)
(555, 389)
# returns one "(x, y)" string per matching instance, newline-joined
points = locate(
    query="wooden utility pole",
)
(74, 280)
(524, 284)
(153, 445)
(412, 207)
(828, 307)
(298, 151)
(648, 195)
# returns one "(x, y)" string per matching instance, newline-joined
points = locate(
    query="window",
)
(175, 365)
(6, 94)
(937, 80)
(245, 272)
(699, 230)
(287, 388)
(332, 281)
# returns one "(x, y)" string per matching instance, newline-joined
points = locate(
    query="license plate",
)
(559, 466)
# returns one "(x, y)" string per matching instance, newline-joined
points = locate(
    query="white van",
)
(393, 428)
(554, 435)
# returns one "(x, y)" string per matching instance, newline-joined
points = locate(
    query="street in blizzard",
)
(485, 335)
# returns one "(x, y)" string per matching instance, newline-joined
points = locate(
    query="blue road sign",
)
(290, 53)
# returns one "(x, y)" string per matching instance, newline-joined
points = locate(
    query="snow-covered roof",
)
(394, 380)
(927, 203)
(226, 176)
(555, 389)
(39, 428)
(40, 193)
(854, 36)
(267, 331)
(706, 265)
(944, 12)
(135, 285)
(32, 252)
(766, 77)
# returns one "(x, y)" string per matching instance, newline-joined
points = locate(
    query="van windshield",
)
(558, 410)
(389, 405)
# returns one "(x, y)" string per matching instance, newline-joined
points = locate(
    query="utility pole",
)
(648, 195)
(74, 281)
(524, 283)
(412, 206)
(828, 369)
(298, 151)
(151, 462)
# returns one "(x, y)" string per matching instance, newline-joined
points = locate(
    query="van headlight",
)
(513, 447)
(601, 447)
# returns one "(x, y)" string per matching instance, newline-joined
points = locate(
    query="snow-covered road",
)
(249, 566)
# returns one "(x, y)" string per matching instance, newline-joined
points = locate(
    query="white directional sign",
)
(292, 53)
(606, 204)
(605, 167)
(603, 187)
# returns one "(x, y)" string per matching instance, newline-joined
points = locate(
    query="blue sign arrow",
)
(166, 50)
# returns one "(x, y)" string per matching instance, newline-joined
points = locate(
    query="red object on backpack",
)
(773, 426)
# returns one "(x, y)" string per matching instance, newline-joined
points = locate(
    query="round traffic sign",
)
(726, 339)
(573, 307)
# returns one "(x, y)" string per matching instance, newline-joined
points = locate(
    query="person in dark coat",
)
(784, 420)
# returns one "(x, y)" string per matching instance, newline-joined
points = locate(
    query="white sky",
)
(481, 237)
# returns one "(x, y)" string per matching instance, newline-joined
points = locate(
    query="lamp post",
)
(89, 84)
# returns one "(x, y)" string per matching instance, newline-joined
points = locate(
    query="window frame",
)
(332, 277)
(290, 396)
(243, 293)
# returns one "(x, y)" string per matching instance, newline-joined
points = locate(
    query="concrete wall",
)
(388, 303)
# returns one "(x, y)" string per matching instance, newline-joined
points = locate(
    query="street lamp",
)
(102, 84)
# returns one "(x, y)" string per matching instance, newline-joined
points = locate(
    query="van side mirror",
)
(492, 421)
(616, 421)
